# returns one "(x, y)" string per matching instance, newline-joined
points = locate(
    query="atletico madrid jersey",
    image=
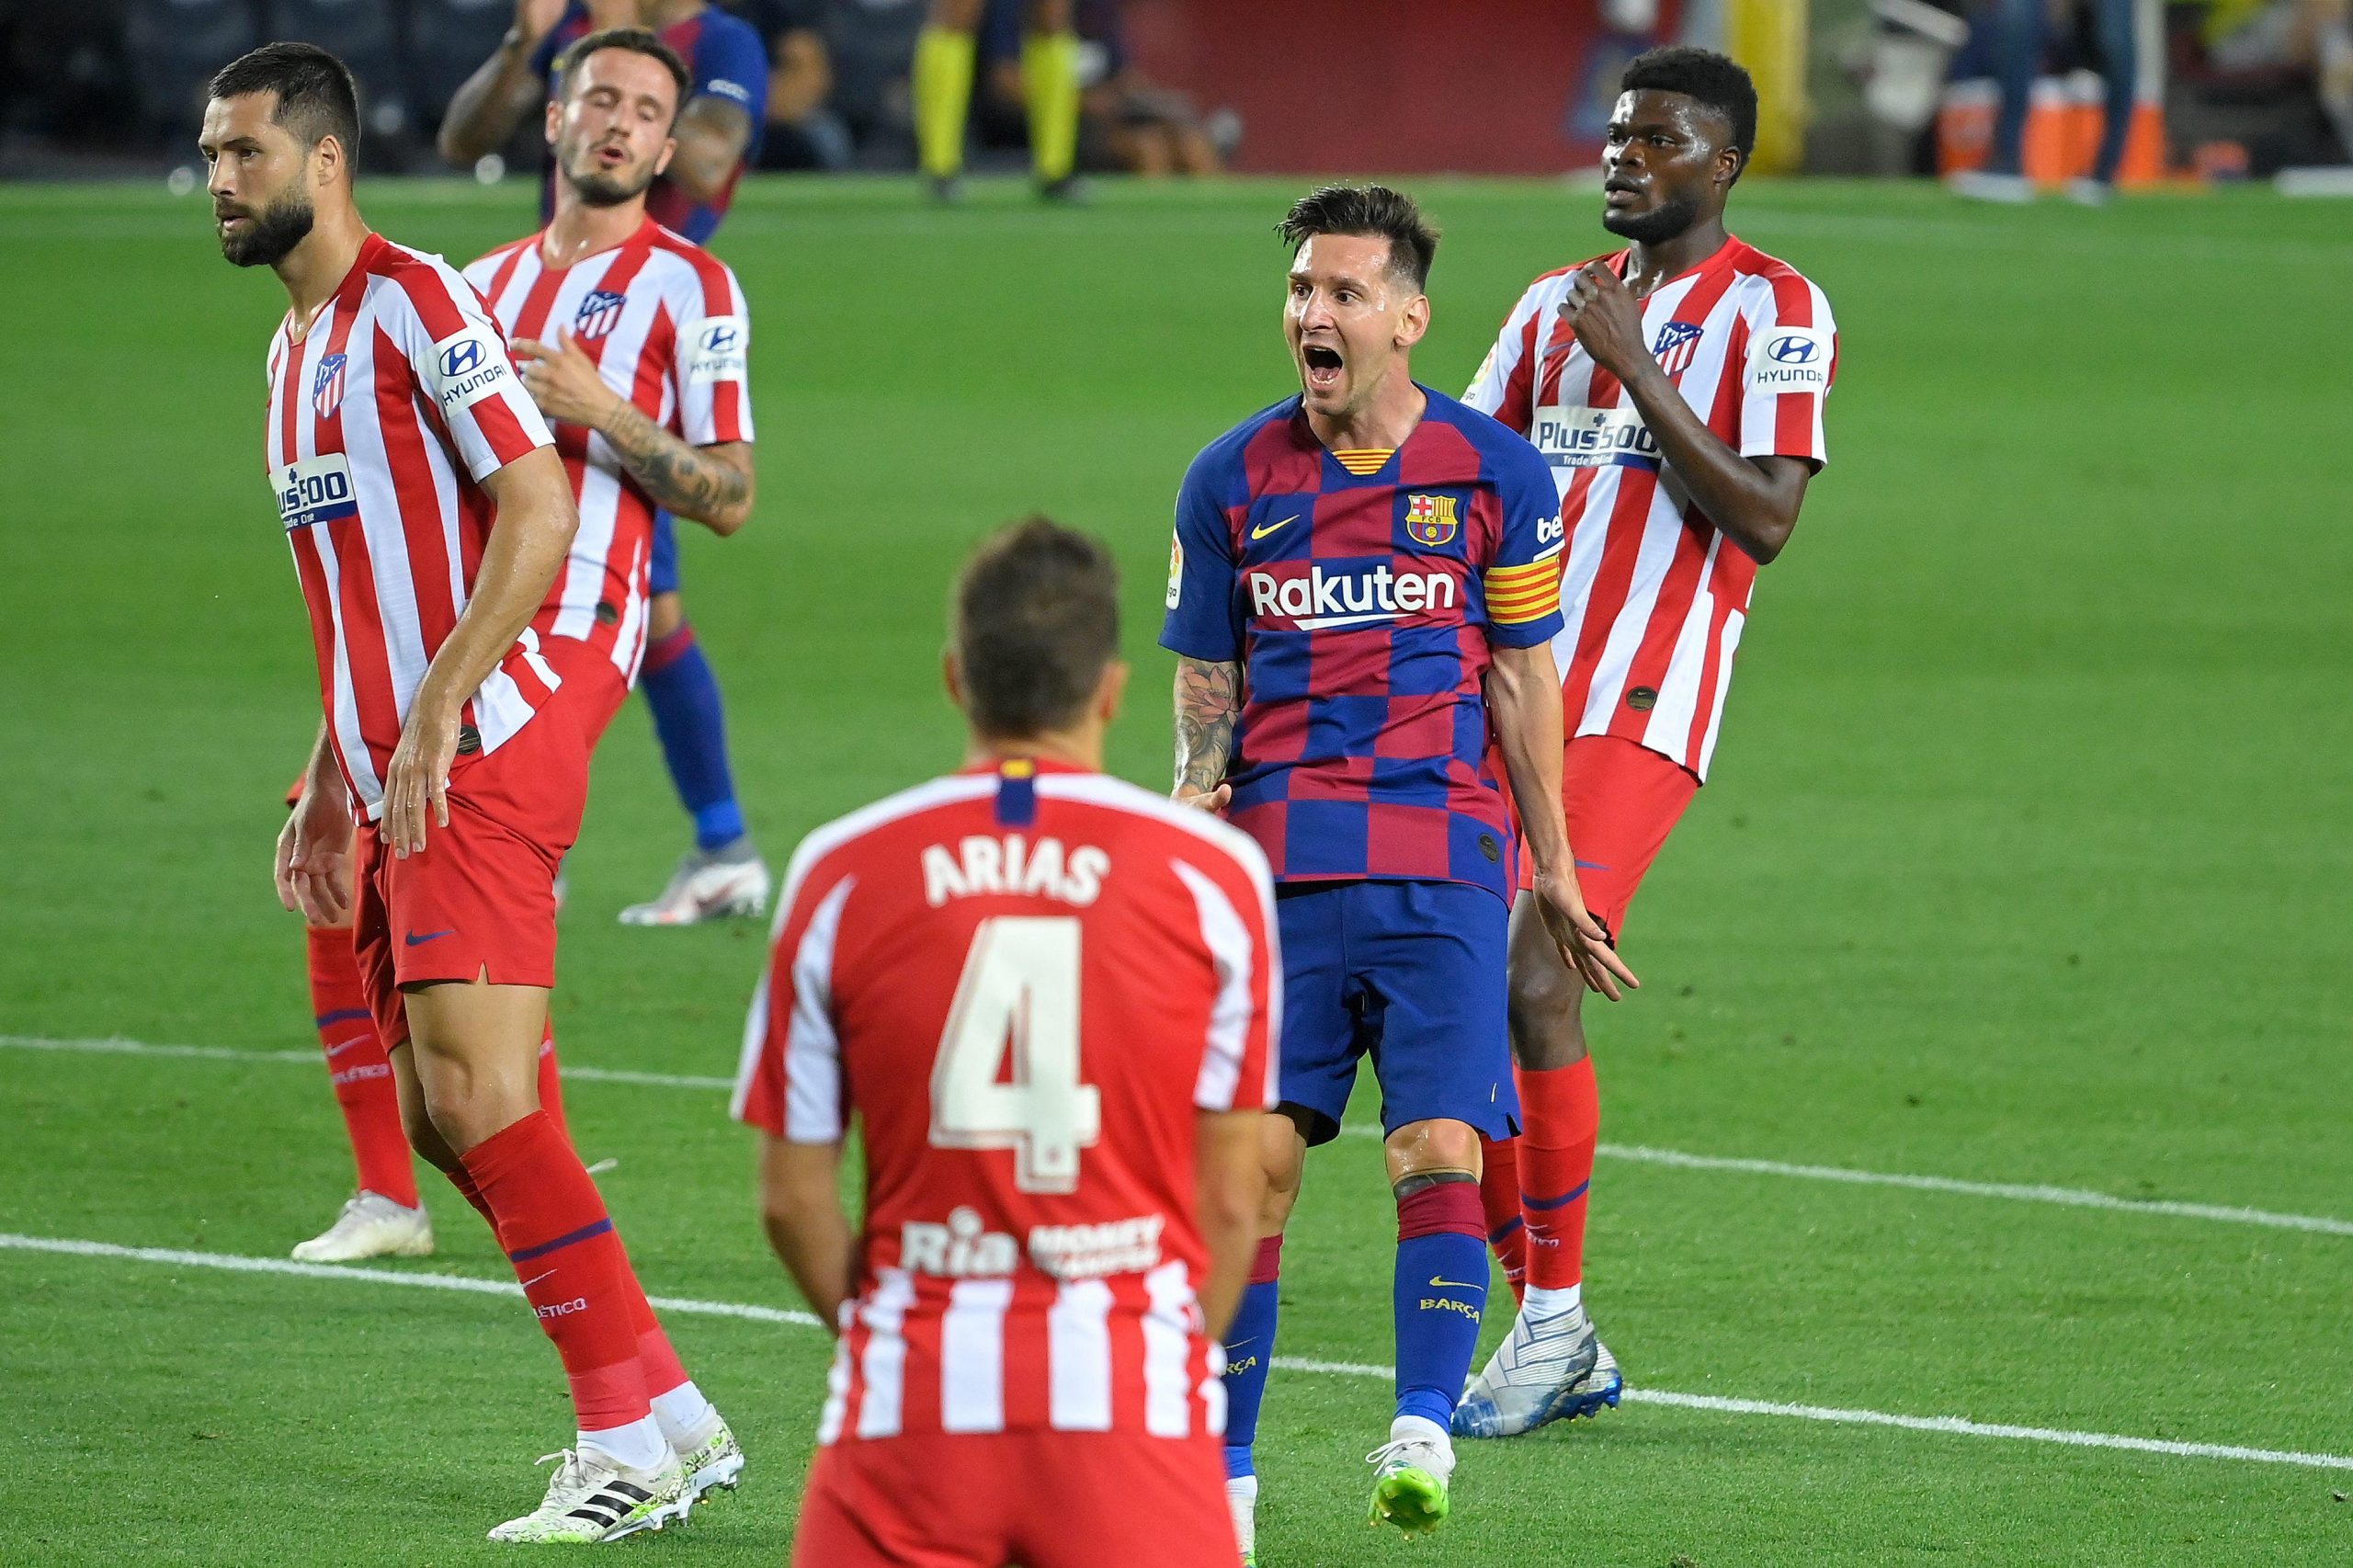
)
(1362, 593)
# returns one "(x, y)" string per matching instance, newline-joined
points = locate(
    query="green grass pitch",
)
(2024, 862)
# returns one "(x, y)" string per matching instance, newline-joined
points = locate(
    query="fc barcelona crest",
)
(1430, 520)
(326, 387)
(598, 313)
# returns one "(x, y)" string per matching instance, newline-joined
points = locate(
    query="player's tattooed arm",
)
(712, 486)
(712, 133)
(1209, 701)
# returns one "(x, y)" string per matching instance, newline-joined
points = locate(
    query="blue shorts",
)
(1411, 971)
(662, 566)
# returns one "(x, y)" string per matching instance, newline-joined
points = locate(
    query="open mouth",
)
(1322, 365)
(612, 156)
(1615, 190)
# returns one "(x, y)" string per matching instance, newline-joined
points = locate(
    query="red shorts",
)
(1039, 1499)
(1622, 800)
(479, 899)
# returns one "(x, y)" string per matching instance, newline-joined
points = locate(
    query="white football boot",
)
(720, 885)
(592, 1498)
(1548, 1369)
(1410, 1473)
(371, 1225)
(1242, 1503)
(713, 1462)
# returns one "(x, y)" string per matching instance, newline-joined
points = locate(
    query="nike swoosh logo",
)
(1452, 1284)
(1270, 528)
(347, 1045)
(535, 1278)
(415, 940)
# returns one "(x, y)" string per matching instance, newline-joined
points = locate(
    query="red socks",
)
(1561, 1113)
(358, 1068)
(551, 1222)
(1266, 1264)
(1499, 1203)
(550, 1085)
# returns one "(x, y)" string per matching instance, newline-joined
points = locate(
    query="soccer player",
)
(1365, 579)
(1049, 999)
(718, 134)
(942, 83)
(1676, 388)
(427, 513)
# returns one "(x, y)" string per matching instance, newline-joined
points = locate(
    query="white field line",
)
(2021, 1192)
(1948, 1426)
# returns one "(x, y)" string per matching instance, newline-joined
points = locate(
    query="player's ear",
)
(554, 118)
(327, 160)
(1111, 691)
(669, 151)
(951, 677)
(1414, 322)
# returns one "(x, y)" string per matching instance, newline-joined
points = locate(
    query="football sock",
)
(551, 1084)
(1440, 1291)
(1543, 1303)
(1050, 91)
(1499, 1203)
(551, 1222)
(692, 726)
(359, 1069)
(683, 1412)
(1249, 1355)
(1562, 1115)
(943, 94)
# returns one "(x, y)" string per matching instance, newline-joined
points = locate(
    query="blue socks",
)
(1249, 1355)
(1438, 1295)
(692, 726)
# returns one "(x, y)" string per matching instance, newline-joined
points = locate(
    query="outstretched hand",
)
(1584, 943)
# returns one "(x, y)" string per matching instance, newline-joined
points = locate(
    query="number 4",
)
(1019, 992)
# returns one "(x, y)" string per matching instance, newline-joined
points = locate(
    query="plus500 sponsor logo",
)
(1589, 437)
(1326, 597)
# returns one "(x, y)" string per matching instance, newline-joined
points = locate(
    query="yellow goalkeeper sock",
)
(943, 89)
(1049, 87)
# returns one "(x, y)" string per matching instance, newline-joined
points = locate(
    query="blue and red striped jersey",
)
(724, 55)
(1361, 592)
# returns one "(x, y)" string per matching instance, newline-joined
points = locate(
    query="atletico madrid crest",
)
(326, 387)
(598, 313)
(1430, 520)
(1678, 343)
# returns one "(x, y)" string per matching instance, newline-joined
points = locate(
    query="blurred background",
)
(2220, 90)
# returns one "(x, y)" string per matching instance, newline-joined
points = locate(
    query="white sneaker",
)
(716, 886)
(715, 1463)
(371, 1225)
(1242, 1503)
(1410, 1473)
(592, 1498)
(2086, 191)
(1548, 1369)
(1978, 185)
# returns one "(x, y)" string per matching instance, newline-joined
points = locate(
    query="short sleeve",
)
(1234, 898)
(731, 62)
(461, 364)
(788, 1083)
(1505, 385)
(711, 367)
(1522, 583)
(1792, 357)
(1202, 621)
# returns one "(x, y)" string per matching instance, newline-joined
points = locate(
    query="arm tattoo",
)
(684, 480)
(1208, 702)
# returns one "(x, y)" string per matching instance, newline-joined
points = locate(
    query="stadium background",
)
(1992, 1064)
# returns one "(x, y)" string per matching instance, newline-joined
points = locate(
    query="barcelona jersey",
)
(1361, 592)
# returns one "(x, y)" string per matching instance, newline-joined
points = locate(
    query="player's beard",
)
(276, 229)
(1655, 227)
(597, 188)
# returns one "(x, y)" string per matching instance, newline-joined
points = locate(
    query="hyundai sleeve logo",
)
(461, 358)
(1792, 350)
(718, 339)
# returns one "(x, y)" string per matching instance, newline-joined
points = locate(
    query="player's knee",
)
(1546, 1005)
(1282, 1156)
(1426, 1154)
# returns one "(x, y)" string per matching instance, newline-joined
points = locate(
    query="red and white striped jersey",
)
(666, 324)
(1023, 981)
(1655, 596)
(385, 417)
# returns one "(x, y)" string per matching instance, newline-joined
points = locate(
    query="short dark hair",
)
(1036, 619)
(1715, 80)
(635, 41)
(316, 97)
(1366, 212)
